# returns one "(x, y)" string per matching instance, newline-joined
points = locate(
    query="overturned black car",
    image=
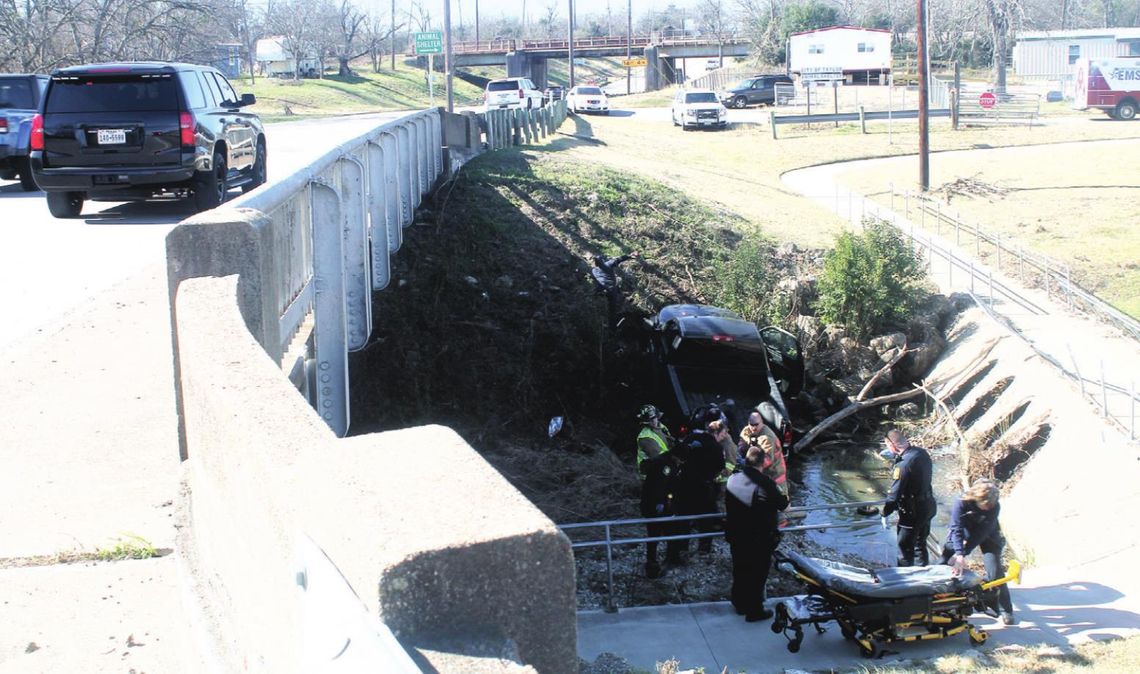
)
(704, 355)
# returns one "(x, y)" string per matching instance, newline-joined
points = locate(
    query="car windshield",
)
(743, 84)
(16, 94)
(505, 85)
(113, 94)
(705, 97)
(589, 91)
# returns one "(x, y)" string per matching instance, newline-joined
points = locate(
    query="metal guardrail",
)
(608, 542)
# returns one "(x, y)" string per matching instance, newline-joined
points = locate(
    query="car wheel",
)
(27, 182)
(257, 175)
(1126, 110)
(740, 102)
(210, 186)
(65, 204)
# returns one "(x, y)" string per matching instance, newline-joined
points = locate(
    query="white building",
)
(273, 60)
(861, 55)
(1052, 54)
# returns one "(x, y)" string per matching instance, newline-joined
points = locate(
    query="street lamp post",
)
(570, 41)
(628, 40)
(923, 100)
(447, 59)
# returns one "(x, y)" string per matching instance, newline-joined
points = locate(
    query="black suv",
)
(753, 91)
(131, 131)
(19, 98)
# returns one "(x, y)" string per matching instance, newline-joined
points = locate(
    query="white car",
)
(588, 99)
(693, 108)
(512, 92)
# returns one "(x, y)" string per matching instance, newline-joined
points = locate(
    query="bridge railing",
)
(308, 551)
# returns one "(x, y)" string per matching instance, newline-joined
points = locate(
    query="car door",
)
(785, 358)
(238, 130)
(754, 93)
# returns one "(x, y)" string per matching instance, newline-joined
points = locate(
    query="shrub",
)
(743, 281)
(870, 280)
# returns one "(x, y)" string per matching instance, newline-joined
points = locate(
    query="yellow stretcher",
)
(887, 605)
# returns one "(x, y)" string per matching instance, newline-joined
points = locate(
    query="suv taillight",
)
(186, 127)
(36, 142)
(3, 125)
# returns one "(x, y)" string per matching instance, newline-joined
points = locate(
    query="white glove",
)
(883, 519)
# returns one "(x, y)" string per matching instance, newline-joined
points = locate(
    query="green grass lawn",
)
(406, 88)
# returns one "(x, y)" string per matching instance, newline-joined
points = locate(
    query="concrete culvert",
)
(1003, 425)
(984, 403)
(963, 389)
(1016, 456)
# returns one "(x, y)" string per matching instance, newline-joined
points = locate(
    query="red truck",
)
(1112, 85)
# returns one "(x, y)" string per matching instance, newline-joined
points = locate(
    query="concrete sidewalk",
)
(1058, 607)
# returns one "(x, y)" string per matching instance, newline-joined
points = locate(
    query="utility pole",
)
(923, 100)
(447, 59)
(628, 40)
(476, 22)
(570, 42)
(393, 35)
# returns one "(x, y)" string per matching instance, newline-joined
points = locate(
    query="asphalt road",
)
(49, 267)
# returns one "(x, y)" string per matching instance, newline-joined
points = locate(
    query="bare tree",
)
(296, 22)
(1001, 15)
(717, 19)
(352, 24)
(549, 23)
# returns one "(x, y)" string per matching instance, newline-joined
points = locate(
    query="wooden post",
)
(863, 121)
(772, 123)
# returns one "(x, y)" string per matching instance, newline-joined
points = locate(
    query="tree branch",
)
(883, 370)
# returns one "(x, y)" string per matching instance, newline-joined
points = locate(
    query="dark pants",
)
(751, 562)
(672, 548)
(913, 530)
(699, 500)
(991, 557)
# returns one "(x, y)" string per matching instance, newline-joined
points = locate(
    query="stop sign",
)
(987, 100)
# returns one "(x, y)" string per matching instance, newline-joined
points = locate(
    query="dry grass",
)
(1117, 656)
(1071, 202)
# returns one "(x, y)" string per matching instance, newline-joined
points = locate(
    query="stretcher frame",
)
(873, 622)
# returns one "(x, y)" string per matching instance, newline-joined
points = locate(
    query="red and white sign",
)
(987, 100)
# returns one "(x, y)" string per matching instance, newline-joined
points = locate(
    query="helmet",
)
(648, 413)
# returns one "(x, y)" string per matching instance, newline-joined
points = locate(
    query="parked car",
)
(20, 96)
(588, 99)
(694, 108)
(704, 355)
(753, 91)
(512, 92)
(144, 130)
(554, 93)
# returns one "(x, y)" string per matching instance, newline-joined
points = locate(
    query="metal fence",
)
(608, 541)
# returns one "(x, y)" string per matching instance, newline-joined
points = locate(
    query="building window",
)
(866, 47)
(815, 49)
(1074, 53)
(1133, 48)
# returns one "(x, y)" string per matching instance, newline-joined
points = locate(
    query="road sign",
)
(987, 100)
(824, 73)
(430, 42)
(639, 62)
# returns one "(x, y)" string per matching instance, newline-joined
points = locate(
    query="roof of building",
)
(1130, 33)
(857, 28)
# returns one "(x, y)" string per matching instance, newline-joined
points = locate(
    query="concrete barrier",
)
(434, 542)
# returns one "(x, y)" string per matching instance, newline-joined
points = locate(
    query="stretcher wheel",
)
(847, 631)
(794, 646)
(977, 636)
(781, 621)
(867, 648)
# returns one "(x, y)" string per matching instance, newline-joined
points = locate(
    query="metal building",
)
(1052, 54)
(860, 55)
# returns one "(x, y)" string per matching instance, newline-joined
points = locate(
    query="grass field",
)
(1070, 202)
(406, 88)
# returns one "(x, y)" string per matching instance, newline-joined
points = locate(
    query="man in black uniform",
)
(911, 495)
(751, 502)
(696, 489)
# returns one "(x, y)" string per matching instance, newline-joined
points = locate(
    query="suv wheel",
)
(210, 186)
(257, 175)
(27, 182)
(65, 204)
(740, 102)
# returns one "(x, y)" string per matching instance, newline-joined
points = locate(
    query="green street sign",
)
(430, 42)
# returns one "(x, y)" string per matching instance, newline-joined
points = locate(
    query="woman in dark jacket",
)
(974, 524)
(751, 502)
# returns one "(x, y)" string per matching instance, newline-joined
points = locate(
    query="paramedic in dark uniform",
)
(751, 502)
(974, 524)
(911, 495)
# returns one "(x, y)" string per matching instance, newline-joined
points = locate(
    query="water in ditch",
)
(855, 472)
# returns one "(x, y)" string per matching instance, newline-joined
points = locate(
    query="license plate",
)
(111, 136)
